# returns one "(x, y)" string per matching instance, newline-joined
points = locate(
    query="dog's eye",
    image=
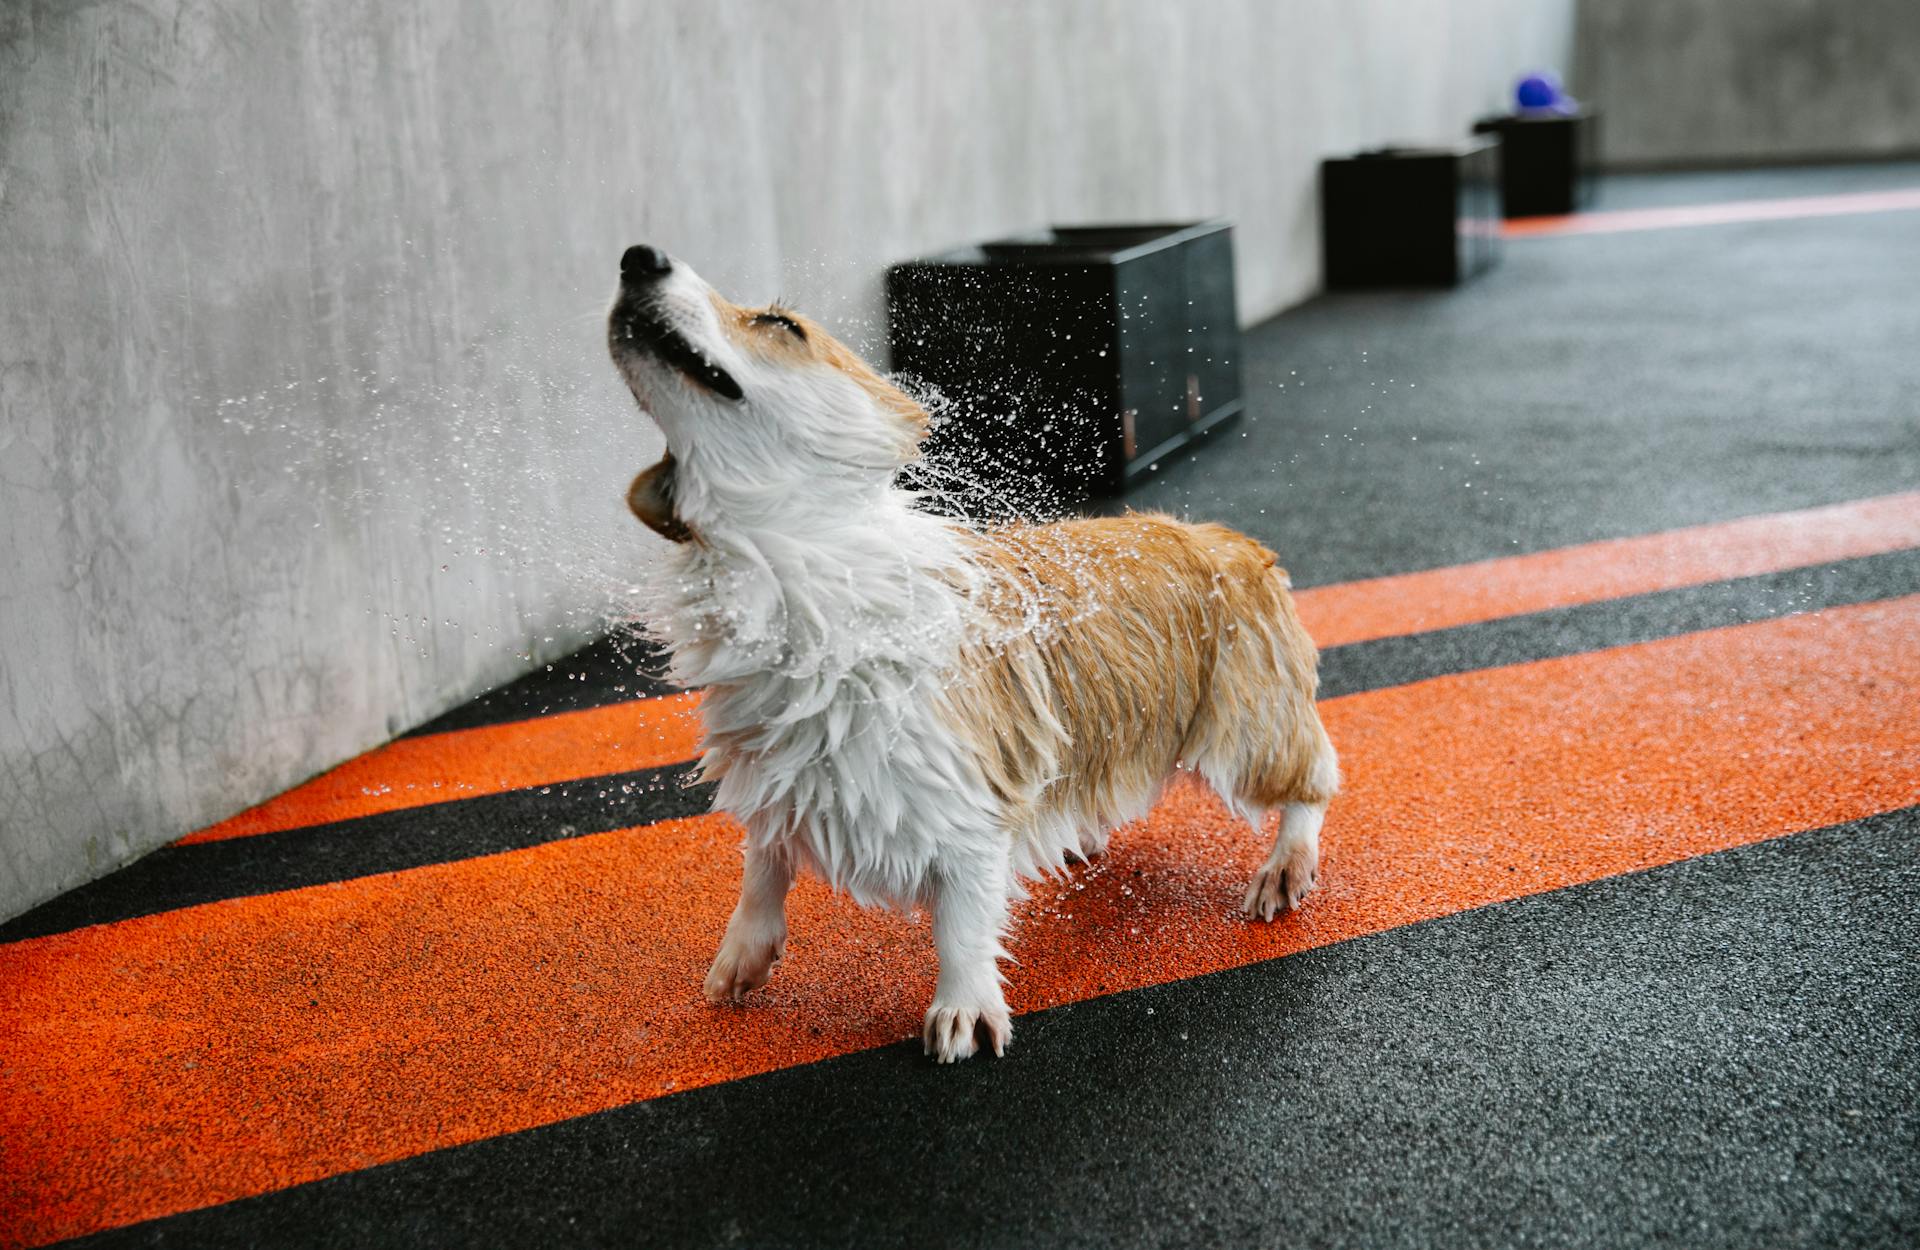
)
(774, 317)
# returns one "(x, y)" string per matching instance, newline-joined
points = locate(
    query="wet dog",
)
(921, 712)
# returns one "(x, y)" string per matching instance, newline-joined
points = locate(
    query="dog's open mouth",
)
(643, 329)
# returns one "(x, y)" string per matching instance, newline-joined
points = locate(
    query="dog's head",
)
(769, 420)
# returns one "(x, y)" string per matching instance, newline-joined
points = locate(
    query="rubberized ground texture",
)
(1614, 557)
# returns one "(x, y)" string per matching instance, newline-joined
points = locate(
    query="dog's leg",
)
(969, 914)
(1293, 867)
(1093, 843)
(757, 933)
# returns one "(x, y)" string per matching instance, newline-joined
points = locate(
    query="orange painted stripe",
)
(463, 763)
(1412, 603)
(648, 733)
(1786, 208)
(197, 1056)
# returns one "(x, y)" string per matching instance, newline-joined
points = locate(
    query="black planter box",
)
(1546, 163)
(1410, 216)
(1072, 358)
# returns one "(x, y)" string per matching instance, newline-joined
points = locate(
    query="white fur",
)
(819, 612)
(823, 614)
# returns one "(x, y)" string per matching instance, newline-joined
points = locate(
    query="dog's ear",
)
(651, 499)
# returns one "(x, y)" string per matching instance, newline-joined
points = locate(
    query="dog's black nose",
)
(641, 261)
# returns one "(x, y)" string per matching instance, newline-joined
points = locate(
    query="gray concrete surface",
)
(305, 431)
(1692, 82)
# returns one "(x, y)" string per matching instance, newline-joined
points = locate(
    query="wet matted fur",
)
(918, 711)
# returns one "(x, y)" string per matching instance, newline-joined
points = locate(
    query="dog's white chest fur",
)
(824, 657)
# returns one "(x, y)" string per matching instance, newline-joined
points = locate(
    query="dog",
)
(919, 711)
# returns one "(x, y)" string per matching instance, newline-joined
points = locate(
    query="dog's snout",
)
(640, 263)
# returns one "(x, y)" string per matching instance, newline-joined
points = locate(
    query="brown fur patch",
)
(1121, 648)
(650, 498)
(760, 332)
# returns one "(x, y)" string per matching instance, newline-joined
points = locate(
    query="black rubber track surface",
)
(1720, 1052)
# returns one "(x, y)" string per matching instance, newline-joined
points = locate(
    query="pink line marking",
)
(1716, 214)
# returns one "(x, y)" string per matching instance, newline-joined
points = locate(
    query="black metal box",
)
(1546, 161)
(1070, 358)
(1410, 216)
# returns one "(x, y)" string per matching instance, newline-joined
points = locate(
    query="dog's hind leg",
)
(1293, 867)
(969, 904)
(757, 932)
(1301, 791)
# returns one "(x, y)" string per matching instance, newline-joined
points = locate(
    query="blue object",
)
(1541, 95)
(1537, 91)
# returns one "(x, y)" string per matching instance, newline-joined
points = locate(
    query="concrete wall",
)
(306, 432)
(1695, 82)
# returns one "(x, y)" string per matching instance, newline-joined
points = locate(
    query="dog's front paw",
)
(741, 967)
(1282, 882)
(952, 1032)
